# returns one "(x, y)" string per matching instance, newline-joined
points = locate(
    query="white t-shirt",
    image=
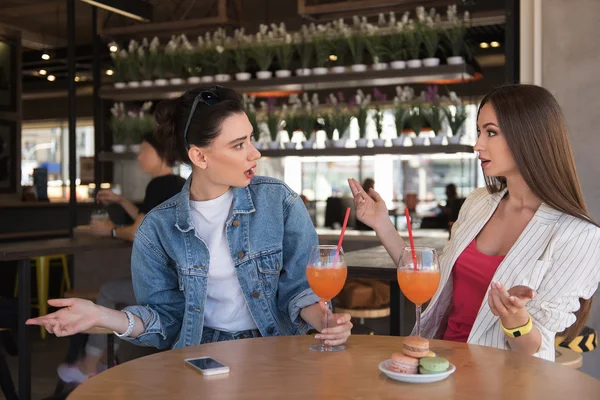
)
(226, 307)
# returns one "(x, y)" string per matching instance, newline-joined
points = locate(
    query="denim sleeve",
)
(160, 302)
(298, 239)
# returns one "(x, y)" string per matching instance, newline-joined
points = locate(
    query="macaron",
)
(415, 346)
(433, 365)
(404, 364)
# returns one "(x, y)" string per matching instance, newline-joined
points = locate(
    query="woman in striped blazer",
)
(524, 258)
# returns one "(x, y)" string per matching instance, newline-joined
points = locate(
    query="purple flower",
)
(431, 94)
(271, 104)
(378, 95)
(340, 97)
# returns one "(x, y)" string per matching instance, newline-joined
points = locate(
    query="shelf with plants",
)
(357, 151)
(385, 52)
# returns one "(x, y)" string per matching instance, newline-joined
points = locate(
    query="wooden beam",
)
(36, 41)
(167, 27)
(39, 7)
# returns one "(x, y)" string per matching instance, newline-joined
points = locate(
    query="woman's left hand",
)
(339, 329)
(507, 304)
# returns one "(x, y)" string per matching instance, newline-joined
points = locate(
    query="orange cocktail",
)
(326, 282)
(418, 286)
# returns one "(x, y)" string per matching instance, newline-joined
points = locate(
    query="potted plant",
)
(285, 53)
(375, 47)
(250, 110)
(240, 52)
(416, 121)
(263, 52)
(222, 57)
(455, 35)
(118, 126)
(322, 47)
(341, 121)
(272, 122)
(402, 105)
(393, 48)
(456, 115)
(133, 68)
(431, 39)
(355, 40)
(206, 56)
(305, 50)
(141, 123)
(361, 114)
(339, 47)
(176, 58)
(119, 67)
(413, 38)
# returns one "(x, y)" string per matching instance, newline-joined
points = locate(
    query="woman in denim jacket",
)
(224, 259)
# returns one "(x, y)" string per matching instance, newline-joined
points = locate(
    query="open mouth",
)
(484, 162)
(249, 173)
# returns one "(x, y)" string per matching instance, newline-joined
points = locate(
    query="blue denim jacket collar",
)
(242, 204)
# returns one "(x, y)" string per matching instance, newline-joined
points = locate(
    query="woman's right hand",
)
(107, 197)
(370, 207)
(77, 315)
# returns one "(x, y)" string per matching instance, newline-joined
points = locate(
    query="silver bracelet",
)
(130, 326)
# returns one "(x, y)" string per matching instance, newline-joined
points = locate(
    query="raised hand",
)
(510, 304)
(370, 207)
(77, 315)
(106, 197)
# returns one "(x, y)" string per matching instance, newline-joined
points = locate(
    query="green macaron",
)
(433, 365)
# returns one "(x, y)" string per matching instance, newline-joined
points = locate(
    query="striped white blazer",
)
(557, 255)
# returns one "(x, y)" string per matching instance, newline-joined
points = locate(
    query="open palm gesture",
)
(77, 315)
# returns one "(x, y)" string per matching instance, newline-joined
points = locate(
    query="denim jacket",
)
(270, 235)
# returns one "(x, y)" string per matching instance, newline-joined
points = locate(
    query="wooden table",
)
(376, 263)
(284, 368)
(23, 252)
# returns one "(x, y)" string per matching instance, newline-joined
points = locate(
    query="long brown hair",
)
(536, 134)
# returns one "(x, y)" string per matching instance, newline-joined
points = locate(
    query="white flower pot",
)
(308, 144)
(283, 73)
(454, 139)
(119, 148)
(290, 145)
(134, 148)
(120, 85)
(222, 77)
(176, 81)
(161, 82)
(320, 71)
(380, 66)
(264, 74)
(329, 144)
(303, 72)
(243, 76)
(455, 60)
(362, 142)
(133, 84)
(207, 79)
(257, 145)
(437, 140)
(146, 83)
(419, 141)
(274, 145)
(398, 64)
(340, 69)
(340, 143)
(431, 62)
(358, 67)
(414, 63)
(379, 142)
(194, 80)
(398, 141)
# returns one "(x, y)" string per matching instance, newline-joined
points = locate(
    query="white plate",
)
(415, 378)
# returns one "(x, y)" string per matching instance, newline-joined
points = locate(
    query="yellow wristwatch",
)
(520, 331)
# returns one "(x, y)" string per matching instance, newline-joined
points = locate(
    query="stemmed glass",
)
(326, 272)
(418, 276)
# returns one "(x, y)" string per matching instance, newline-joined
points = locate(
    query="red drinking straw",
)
(339, 246)
(410, 238)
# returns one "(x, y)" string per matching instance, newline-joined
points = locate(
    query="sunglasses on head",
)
(207, 97)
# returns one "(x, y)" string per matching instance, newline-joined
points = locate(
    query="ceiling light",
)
(51, 78)
(134, 9)
(113, 48)
(77, 79)
(333, 57)
(43, 72)
(495, 44)
(110, 72)
(484, 45)
(45, 56)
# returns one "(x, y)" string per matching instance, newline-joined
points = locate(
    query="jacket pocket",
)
(269, 267)
(190, 273)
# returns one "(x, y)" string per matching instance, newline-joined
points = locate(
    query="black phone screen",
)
(205, 363)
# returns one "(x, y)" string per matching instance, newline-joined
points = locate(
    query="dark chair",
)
(8, 325)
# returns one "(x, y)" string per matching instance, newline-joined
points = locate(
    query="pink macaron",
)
(404, 364)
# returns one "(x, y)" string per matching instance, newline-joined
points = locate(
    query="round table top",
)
(284, 367)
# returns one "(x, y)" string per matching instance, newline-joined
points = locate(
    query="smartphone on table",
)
(207, 365)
